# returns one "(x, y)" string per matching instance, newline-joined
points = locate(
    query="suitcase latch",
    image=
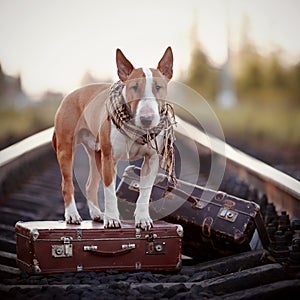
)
(151, 237)
(155, 248)
(134, 186)
(227, 214)
(152, 247)
(64, 250)
(138, 234)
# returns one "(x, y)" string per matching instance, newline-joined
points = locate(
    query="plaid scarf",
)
(122, 117)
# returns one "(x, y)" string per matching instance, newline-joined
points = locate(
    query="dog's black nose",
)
(146, 121)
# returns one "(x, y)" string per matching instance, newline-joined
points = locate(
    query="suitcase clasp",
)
(227, 214)
(138, 234)
(154, 248)
(151, 237)
(64, 250)
(134, 186)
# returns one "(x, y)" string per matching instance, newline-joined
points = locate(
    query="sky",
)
(52, 44)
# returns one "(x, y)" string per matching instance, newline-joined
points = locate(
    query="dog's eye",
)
(157, 87)
(135, 87)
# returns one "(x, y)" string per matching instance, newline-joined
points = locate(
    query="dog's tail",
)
(54, 141)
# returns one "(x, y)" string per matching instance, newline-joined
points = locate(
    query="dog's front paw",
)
(95, 212)
(71, 213)
(73, 218)
(143, 221)
(142, 217)
(111, 222)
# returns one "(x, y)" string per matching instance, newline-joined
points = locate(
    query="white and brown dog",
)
(85, 116)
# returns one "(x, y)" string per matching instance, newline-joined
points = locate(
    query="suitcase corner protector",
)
(36, 269)
(179, 265)
(179, 230)
(29, 268)
(34, 234)
(18, 224)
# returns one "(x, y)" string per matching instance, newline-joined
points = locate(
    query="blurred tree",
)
(253, 78)
(295, 84)
(2, 83)
(257, 77)
(249, 71)
(276, 77)
(202, 76)
(250, 77)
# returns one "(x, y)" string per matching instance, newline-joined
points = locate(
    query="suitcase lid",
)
(54, 230)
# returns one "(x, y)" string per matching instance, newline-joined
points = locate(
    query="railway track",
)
(30, 190)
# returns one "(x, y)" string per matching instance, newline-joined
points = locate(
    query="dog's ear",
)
(165, 65)
(124, 65)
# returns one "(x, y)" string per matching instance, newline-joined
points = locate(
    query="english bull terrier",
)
(127, 120)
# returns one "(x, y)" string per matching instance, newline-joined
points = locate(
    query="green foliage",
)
(295, 84)
(202, 77)
(258, 78)
(16, 124)
(266, 79)
(276, 124)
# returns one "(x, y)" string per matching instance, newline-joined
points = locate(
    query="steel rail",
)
(21, 158)
(280, 188)
(25, 146)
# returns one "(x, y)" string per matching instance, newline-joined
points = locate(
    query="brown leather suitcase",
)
(45, 247)
(214, 223)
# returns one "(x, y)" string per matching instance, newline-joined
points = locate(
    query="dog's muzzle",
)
(146, 121)
(147, 115)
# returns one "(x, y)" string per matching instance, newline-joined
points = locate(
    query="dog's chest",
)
(124, 148)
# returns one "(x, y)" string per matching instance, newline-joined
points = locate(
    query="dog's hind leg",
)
(92, 185)
(85, 137)
(92, 148)
(108, 167)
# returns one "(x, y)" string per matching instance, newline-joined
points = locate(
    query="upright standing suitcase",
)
(214, 223)
(53, 247)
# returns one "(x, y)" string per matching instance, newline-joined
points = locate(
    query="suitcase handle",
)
(184, 195)
(110, 253)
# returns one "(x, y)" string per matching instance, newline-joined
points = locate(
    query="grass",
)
(17, 124)
(272, 123)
